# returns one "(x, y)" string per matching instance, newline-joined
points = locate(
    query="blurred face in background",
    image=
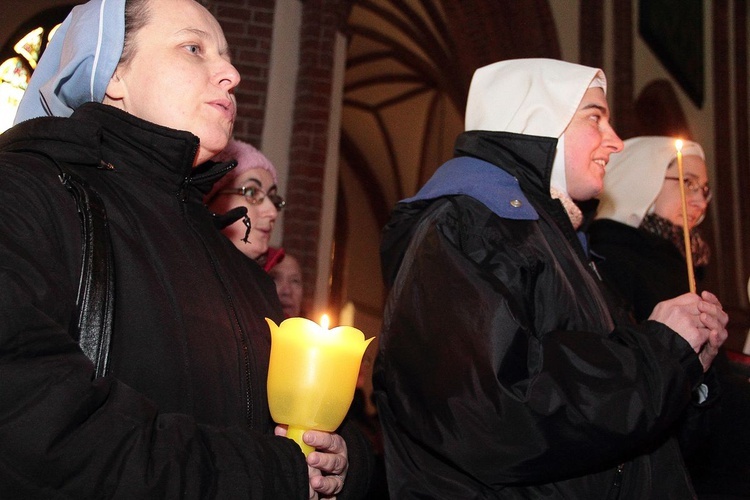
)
(288, 277)
(668, 203)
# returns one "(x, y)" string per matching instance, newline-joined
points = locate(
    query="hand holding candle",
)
(312, 374)
(685, 227)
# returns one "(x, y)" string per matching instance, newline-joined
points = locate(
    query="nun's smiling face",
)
(589, 140)
(180, 75)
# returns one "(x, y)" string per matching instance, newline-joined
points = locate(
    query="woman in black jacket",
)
(640, 248)
(638, 227)
(140, 94)
(501, 373)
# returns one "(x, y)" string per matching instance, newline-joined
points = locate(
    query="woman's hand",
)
(701, 321)
(715, 320)
(327, 465)
(682, 314)
(330, 462)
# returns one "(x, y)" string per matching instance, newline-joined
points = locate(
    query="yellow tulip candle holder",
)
(312, 375)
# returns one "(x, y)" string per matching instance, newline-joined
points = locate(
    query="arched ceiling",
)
(398, 97)
(408, 69)
(409, 66)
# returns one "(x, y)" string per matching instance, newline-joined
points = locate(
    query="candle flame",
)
(324, 321)
(678, 144)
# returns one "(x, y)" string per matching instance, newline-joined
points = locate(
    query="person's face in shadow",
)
(258, 184)
(668, 203)
(288, 277)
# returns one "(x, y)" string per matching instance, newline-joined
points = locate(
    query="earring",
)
(246, 222)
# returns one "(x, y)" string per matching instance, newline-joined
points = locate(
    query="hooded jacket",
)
(183, 412)
(501, 373)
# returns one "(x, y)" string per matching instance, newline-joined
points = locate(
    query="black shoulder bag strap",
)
(96, 292)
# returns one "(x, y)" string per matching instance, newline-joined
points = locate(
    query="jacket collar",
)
(99, 134)
(528, 158)
(494, 187)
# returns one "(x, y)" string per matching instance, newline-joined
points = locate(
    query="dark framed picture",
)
(674, 31)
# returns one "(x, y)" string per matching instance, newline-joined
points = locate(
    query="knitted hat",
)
(635, 176)
(247, 158)
(78, 63)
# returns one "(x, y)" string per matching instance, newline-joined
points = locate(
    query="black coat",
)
(500, 373)
(184, 412)
(643, 268)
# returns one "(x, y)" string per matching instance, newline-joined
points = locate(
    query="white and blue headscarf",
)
(78, 63)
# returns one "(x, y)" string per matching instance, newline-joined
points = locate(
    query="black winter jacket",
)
(183, 413)
(643, 267)
(500, 373)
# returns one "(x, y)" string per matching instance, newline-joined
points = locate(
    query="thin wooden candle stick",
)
(685, 228)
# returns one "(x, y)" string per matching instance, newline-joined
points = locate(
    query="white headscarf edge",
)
(635, 177)
(528, 96)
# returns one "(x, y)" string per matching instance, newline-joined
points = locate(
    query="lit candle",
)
(312, 374)
(685, 228)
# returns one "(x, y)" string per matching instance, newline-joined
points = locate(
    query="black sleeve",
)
(64, 434)
(465, 385)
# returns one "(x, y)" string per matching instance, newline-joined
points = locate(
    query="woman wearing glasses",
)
(181, 411)
(638, 231)
(638, 235)
(247, 202)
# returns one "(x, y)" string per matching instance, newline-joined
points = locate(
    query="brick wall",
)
(320, 21)
(248, 27)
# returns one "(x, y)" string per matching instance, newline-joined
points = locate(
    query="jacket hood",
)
(527, 158)
(635, 177)
(531, 160)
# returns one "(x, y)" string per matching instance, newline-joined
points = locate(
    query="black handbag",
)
(96, 286)
(93, 325)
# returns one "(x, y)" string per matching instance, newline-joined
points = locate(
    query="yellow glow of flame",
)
(678, 144)
(324, 322)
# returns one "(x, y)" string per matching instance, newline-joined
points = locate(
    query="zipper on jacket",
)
(182, 196)
(593, 267)
(183, 193)
(184, 187)
(617, 483)
(230, 165)
(230, 302)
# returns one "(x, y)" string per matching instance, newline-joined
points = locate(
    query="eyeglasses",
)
(694, 187)
(255, 196)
